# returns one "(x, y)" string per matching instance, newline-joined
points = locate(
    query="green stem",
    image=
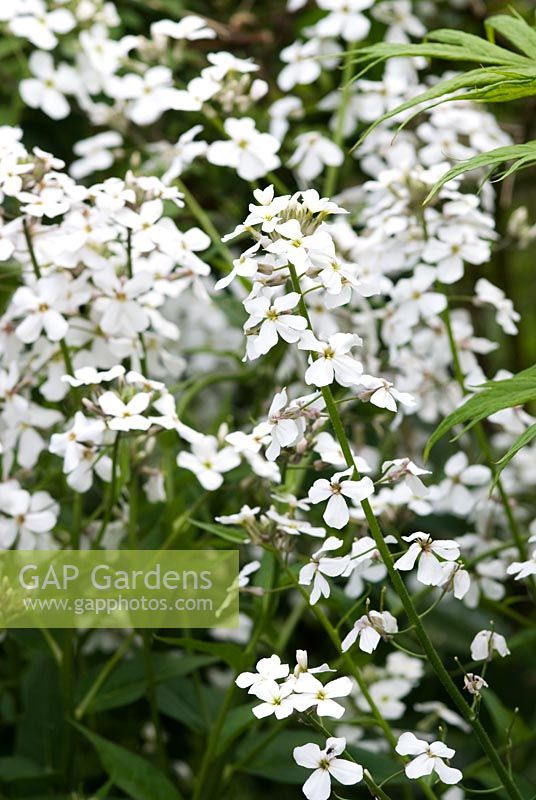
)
(112, 497)
(483, 442)
(145, 635)
(102, 677)
(398, 584)
(205, 222)
(332, 173)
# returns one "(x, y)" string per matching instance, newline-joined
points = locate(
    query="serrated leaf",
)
(134, 775)
(516, 31)
(495, 396)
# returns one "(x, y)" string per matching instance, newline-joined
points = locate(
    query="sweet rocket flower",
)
(47, 89)
(250, 152)
(369, 629)
(426, 550)
(451, 247)
(125, 416)
(382, 393)
(387, 695)
(39, 307)
(268, 670)
(94, 153)
(274, 320)
(474, 683)
(345, 19)
(28, 519)
(72, 444)
(336, 514)
(150, 95)
(298, 247)
(333, 361)
(405, 468)
(429, 758)
(326, 765)
(523, 569)
(293, 526)
(311, 692)
(283, 429)
(485, 643)
(40, 26)
(277, 700)
(303, 66)
(208, 461)
(439, 711)
(121, 312)
(321, 565)
(506, 316)
(313, 153)
(461, 477)
(89, 376)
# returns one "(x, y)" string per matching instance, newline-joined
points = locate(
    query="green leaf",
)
(495, 396)
(451, 89)
(181, 700)
(517, 152)
(516, 31)
(521, 441)
(16, 768)
(230, 653)
(502, 718)
(234, 535)
(128, 682)
(134, 775)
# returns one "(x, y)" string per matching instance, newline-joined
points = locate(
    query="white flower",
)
(333, 361)
(119, 305)
(190, 27)
(268, 670)
(386, 695)
(460, 476)
(250, 152)
(507, 317)
(48, 88)
(321, 565)
(336, 514)
(404, 467)
(485, 643)
(81, 455)
(429, 758)
(369, 629)
(452, 247)
(126, 416)
(298, 247)
(150, 95)
(95, 153)
(39, 306)
(283, 429)
(277, 699)
(382, 393)
(427, 550)
(311, 692)
(294, 526)
(439, 710)
(303, 65)
(344, 20)
(273, 321)
(523, 569)
(89, 376)
(474, 683)
(29, 518)
(208, 462)
(40, 26)
(314, 152)
(326, 764)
